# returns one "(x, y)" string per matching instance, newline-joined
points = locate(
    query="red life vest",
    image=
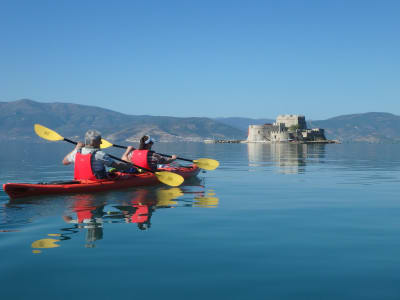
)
(85, 213)
(83, 167)
(139, 158)
(141, 214)
(140, 202)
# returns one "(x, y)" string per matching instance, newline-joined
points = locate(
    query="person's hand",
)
(130, 148)
(79, 145)
(174, 157)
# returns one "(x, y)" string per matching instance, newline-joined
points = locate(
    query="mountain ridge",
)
(372, 127)
(17, 119)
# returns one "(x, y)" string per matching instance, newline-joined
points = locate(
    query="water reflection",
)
(290, 158)
(89, 213)
(43, 244)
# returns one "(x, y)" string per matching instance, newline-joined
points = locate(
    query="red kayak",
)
(119, 181)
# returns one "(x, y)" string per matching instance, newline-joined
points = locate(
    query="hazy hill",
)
(243, 123)
(371, 127)
(72, 120)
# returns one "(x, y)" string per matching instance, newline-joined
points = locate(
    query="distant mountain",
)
(72, 120)
(373, 127)
(243, 123)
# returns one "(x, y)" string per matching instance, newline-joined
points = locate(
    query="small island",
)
(287, 128)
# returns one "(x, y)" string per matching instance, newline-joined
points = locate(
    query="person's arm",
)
(67, 160)
(109, 162)
(161, 160)
(120, 166)
(128, 151)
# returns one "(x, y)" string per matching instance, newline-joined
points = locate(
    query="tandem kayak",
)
(119, 181)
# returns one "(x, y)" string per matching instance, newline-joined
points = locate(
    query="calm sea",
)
(272, 222)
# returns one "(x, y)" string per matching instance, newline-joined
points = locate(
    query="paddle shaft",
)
(114, 157)
(166, 155)
(69, 141)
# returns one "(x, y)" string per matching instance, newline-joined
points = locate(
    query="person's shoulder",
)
(101, 153)
(87, 150)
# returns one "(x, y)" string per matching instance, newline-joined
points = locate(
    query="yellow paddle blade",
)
(105, 144)
(166, 202)
(47, 133)
(168, 194)
(205, 201)
(169, 178)
(45, 243)
(165, 196)
(206, 163)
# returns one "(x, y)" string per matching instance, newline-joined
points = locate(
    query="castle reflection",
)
(290, 158)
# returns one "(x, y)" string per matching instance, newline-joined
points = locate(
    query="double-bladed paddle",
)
(202, 163)
(166, 177)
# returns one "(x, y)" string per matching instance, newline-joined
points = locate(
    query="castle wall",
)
(259, 133)
(292, 120)
(280, 131)
(314, 134)
(279, 136)
(267, 133)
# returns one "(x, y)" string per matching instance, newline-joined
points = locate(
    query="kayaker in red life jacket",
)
(89, 160)
(144, 157)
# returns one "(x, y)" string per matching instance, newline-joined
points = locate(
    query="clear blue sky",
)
(204, 58)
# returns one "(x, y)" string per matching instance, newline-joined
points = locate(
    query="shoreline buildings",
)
(287, 128)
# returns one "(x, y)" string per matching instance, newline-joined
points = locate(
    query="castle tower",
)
(292, 120)
(267, 133)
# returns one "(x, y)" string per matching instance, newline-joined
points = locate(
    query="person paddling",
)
(90, 162)
(144, 157)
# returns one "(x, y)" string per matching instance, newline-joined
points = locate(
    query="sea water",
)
(274, 221)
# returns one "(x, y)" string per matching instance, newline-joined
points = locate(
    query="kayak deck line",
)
(60, 182)
(121, 180)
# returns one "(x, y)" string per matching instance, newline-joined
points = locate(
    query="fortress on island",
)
(287, 128)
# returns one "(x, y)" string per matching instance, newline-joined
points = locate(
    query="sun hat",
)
(91, 136)
(149, 140)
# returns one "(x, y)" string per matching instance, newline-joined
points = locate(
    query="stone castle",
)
(287, 128)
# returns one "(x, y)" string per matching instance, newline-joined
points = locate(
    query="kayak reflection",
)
(90, 213)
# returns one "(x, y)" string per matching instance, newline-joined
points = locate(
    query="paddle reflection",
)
(90, 213)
